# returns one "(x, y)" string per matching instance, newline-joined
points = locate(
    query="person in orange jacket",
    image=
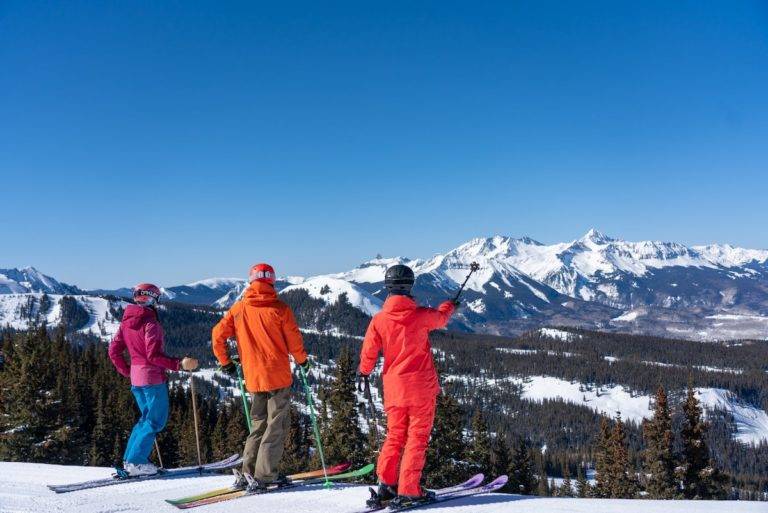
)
(266, 333)
(411, 386)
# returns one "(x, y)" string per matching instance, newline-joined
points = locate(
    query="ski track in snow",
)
(23, 490)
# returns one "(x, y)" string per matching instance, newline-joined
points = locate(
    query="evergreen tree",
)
(603, 478)
(480, 451)
(701, 479)
(447, 446)
(501, 460)
(521, 478)
(566, 489)
(658, 456)
(623, 479)
(343, 439)
(582, 485)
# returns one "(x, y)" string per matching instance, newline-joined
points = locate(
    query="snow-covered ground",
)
(751, 423)
(23, 490)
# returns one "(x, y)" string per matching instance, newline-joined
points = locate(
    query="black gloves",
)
(230, 369)
(306, 365)
(456, 303)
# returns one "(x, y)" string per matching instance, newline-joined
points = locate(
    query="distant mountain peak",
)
(596, 237)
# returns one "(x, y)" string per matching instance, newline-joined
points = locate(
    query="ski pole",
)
(244, 395)
(366, 389)
(311, 404)
(474, 266)
(194, 411)
(159, 457)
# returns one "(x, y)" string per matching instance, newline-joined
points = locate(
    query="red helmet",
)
(146, 294)
(262, 272)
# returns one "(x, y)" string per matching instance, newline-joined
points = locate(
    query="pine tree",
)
(501, 460)
(566, 489)
(582, 485)
(603, 479)
(343, 439)
(701, 479)
(624, 481)
(658, 456)
(480, 451)
(521, 478)
(447, 447)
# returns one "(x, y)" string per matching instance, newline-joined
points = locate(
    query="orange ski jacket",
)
(266, 333)
(401, 332)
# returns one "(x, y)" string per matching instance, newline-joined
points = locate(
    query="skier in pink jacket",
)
(141, 335)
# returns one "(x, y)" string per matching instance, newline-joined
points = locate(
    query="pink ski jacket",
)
(141, 333)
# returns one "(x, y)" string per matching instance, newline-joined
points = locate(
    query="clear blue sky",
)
(171, 141)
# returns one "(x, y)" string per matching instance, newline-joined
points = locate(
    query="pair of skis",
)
(119, 477)
(470, 487)
(337, 473)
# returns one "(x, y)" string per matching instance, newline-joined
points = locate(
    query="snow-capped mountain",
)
(330, 289)
(29, 279)
(76, 313)
(595, 281)
(205, 292)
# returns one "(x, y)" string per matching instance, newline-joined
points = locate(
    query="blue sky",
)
(171, 141)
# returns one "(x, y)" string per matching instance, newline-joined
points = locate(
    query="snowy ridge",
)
(330, 289)
(21, 311)
(29, 279)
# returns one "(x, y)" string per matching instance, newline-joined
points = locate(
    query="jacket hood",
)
(136, 315)
(259, 293)
(398, 308)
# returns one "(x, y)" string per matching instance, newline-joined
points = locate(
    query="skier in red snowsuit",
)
(411, 386)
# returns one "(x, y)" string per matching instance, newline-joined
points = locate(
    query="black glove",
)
(456, 303)
(230, 369)
(305, 366)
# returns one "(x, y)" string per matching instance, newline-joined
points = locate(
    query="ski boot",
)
(255, 486)
(382, 496)
(281, 481)
(409, 501)
(241, 483)
(140, 469)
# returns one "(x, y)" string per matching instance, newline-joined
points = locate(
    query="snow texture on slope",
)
(23, 490)
(330, 289)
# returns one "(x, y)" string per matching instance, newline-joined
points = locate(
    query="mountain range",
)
(664, 288)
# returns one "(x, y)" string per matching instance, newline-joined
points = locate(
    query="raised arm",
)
(438, 318)
(116, 349)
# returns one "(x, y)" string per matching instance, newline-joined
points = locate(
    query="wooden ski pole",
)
(159, 457)
(194, 411)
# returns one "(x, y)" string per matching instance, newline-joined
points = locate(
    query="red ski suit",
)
(411, 387)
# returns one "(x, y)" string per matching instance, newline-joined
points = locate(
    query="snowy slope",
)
(20, 311)
(750, 423)
(330, 289)
(22, 490)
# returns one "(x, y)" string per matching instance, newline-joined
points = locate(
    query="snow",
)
(217, 283)
(100, 321)
(23, 490)
(604, 400)
(565, 336)
(751, 422)
(629, 316)
(329, 289)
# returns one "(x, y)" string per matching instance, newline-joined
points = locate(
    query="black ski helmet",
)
(399, 279)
